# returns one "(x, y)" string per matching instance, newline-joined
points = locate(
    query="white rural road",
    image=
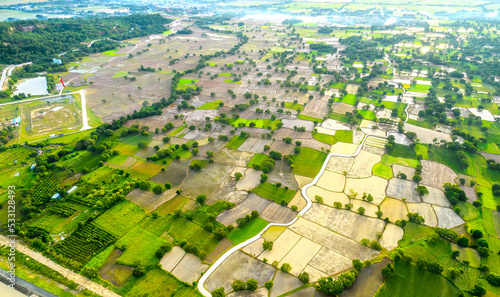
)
(8, 72)
(85, 119)
(206, 275)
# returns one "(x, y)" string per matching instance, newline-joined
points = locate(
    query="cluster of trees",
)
(454, 193)
(42, 40)
(331, 286)
(247, 219)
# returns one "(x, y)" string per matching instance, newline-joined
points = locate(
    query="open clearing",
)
(402, 188)
(332, 240)
(436, 175)
(328, 197)
(372, 185)
(239, 266)
(363, 164)
(345, 222)
(394, 209)
(447, 218)
(426, 211)
(331, 181)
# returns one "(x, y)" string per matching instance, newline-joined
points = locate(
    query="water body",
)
(34, 86)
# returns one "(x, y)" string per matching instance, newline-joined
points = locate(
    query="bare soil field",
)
(331, 181)
(233, 158)
(436, 196)
(391, 236)
(427, 135)
(328, 197)
(339, 164)
(170, 260)
(330, 262)
(403, 188)
(290, 124)
(370, 209)
(189, 268)
(470, 193)
(281, 246)
(148, 200)
(301, 253)
(239, 266)
(368, 281)
(344, 148)
(396, 169)
(436, 175)
(394, 209)
(426, 211)
(315, 108)
(116, 274)
(282, 173)
(175, 174)
(253, 202)
(207, 182)
(255, 248)
(363, 164)
(298, 201)
(373, 185)
(250, 181)
(221, 248)
(342, 108)
(284, 282)
(345, 222)
(447, 218)
(275, 213)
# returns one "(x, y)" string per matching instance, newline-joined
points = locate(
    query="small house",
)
(56, 196)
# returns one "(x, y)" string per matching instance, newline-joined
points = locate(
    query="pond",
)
(34, 86)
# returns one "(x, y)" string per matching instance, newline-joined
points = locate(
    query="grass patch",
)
(236, 142)
(140, 246)
(120, 218)
(344, 135)
(211, 105)
(349, 99)
(230, 81)
(264, 124)
(423, 124)
(135, 139)
(186, 83)
(251, 229)
(414, 232)
(308, 118)
(308, 162)
(182, 229)
(421, 149)
(260, 159)
(403, 151)
(176, 131)
(98, 260)
(390, 160)
(294, 106)
(368, 115)
(120, 74)
(156, 282)
(202, 163)
(382, 170)
(325, 138)
(273, 193)
(409, 280)
(445, 156)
